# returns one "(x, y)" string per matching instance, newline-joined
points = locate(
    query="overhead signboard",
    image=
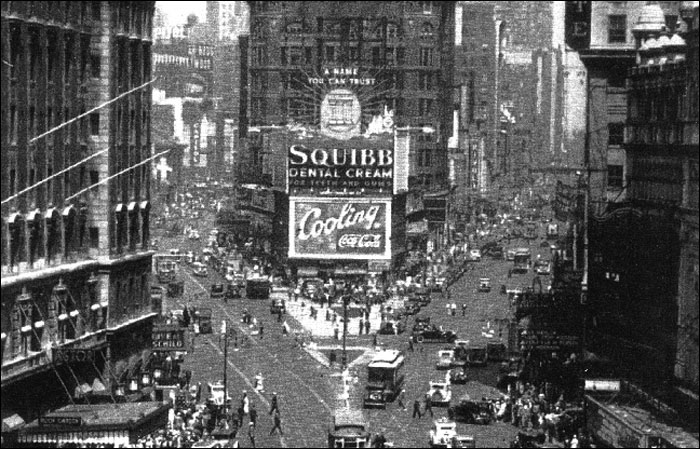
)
(168, 337)
(339, 228)
(355, 164)
(69, 355)
(546, 340)
(577, 23)
(601, 385)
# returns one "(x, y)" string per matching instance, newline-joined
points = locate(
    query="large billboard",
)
(340, 228)
(358, 163)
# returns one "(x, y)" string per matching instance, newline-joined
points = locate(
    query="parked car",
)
(434, 334)
(543, 267)
(440, 393)
(442, 432)
(277, 305)
(459, 375)
(199, 269)
(446, 358)
(467, 441)
(392, 327)
(485, 285)
(473, 411)
(475, 255)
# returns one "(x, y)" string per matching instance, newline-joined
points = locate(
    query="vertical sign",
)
(578, 25)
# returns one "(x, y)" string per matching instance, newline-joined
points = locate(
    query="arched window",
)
(35, 223)
(134, 225)
(427, 30)
(70, 225)
(53, 234)
(17, 253)
(145, 208)
(392, 30)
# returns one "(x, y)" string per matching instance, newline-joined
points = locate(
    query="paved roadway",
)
(309, 389)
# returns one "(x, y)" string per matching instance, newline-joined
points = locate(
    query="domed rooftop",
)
(664, 41)
(651, 20)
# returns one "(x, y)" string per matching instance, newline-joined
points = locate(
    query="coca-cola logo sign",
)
(339, 228)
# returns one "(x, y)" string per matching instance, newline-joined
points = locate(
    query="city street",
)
(308, 389)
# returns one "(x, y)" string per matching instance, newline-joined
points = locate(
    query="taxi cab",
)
(442, 432)
(485, 285)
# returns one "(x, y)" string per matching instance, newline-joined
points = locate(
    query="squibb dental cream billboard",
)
(339, 228)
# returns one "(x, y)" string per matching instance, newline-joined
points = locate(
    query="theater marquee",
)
(339, 228)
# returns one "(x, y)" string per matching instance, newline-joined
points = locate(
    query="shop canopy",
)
(11, 422)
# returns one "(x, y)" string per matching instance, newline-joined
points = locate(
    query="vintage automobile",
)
(203, 320)
(510, 254)
(193, 235)
(189, 257)
(310, 286)
(466, 441)
(446, 358)
(475, 255)
(277, 304)
(477, 355)
(218, 291)
(543, 267)
(349, 429)
(411, 308)
(496, 350)
(484, 284)
(459, 375)
(442, 432)
(472, 411)
(422, 295)
(440, 394)
(392, 327)
(421, 322)
(199, 269)
(440, 280)
(233, 291)
(434, 334)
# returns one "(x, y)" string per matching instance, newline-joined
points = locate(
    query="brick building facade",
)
(75, 229)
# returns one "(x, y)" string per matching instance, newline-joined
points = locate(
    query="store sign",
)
(378, 266)
(73, 421)
(546, 340)
(339, 228)
(168, 337)
(328, 165)
(601, 385)
(577, 23)
(65, 355)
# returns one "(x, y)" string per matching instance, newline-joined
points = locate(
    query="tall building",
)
(348, 70)
(641, 147)
(76, 308)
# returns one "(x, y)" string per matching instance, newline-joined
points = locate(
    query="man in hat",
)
(253, 415)
(273, 403)
(400, 398)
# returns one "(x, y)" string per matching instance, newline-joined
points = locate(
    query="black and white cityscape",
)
(349, 224)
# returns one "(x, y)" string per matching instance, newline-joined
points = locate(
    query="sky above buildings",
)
(177, 11)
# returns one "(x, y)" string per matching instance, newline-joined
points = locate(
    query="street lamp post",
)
(344, 357)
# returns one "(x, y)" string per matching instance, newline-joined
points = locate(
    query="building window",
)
(426, 56)
(425, 106)
(95, 124)
(615, 176)
(94, 237)
(617, 28)
(331, 54)
(427, 7)
(427, 31)
(616, 133)
(425, 81)
(95, 62)
(392, 31)
(671, 22)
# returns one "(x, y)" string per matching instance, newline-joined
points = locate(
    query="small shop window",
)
(615, 176)
(617, 28)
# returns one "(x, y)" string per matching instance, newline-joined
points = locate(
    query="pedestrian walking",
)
(277, 424)
(259, 383)
(416, 409)
(285, 328)
(361, 326)
(428, 405)
(367, 326)
(251, 434)
(447, 306)
(262, 328)
(253, 416)
(454, 309)
(410, 344)
(464, 309)
(274, 406)
(400, 398)
(332, 358)
(374, 340)
(336, 332)
(245, 403)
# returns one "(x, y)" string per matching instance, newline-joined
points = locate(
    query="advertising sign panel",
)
(578, 25)
(358, 163)
(340, 228)
(168, 337)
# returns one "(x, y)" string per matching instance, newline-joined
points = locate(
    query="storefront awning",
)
(12, 422)
(350, 272)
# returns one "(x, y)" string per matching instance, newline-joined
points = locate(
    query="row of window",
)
(346, 29)
(302, 108)
(378, 56)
